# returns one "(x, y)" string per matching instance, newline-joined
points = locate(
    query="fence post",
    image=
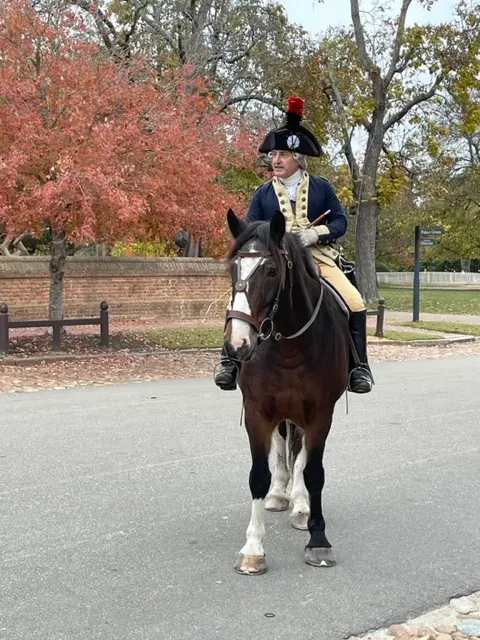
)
(4, 328)
(104, 334)
(380, 318)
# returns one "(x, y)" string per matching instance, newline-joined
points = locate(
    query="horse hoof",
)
(247, 565)
(319, 557)
(299, 520)
(276, 503)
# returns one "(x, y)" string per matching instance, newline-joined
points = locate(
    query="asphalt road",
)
(122, 509)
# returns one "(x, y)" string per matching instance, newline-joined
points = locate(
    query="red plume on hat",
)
(295, 111)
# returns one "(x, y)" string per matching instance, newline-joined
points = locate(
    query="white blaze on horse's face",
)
(241, 330)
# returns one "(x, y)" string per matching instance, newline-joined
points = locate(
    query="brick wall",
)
(172, 289)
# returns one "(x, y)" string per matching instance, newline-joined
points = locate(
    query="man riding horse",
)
(303, 198)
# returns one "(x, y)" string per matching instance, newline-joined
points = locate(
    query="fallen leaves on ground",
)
(120, 368)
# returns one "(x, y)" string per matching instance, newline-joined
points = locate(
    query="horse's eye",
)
(272, 273)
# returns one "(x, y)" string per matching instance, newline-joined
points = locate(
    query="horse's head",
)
(258, 265)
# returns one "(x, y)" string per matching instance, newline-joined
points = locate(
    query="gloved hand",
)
(310, 237)
(307, 237)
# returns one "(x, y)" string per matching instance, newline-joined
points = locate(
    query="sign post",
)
(422, 240)
(416, 277)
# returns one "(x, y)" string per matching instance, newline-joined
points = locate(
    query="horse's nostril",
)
(239, 343)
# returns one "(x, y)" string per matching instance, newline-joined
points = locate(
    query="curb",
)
(440, 342)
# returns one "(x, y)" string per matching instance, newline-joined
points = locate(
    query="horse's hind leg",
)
(277, 499)
(299, 496)
(251, 560)
(318, 551)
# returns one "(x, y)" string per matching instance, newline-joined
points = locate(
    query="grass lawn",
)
(212, 337)
(432, 300)
(447, 327)
(187, 337)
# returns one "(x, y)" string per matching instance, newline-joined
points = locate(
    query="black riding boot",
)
(226, 378)
(360, 376)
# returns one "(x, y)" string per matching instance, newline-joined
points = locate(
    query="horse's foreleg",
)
(277, 499)
(251, 560)
(318, 551)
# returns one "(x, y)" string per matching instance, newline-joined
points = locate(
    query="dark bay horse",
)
(290, 335)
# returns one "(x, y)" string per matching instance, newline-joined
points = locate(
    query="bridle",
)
(265, 328)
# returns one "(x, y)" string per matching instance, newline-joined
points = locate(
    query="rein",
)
(265, 328)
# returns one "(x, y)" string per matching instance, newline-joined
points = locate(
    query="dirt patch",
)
(25, 346)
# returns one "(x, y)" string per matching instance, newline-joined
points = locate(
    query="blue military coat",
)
(321, 198)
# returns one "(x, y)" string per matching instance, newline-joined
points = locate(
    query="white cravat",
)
(292, 183)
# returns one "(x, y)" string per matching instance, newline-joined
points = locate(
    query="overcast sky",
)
(317, 17)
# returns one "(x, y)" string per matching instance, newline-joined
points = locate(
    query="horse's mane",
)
(261, 231)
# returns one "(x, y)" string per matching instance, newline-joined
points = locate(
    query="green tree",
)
(448, 183)
(380, 75)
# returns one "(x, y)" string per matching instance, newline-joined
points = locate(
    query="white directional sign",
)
(431, 231)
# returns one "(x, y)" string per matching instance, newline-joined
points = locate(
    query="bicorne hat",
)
(292, 136)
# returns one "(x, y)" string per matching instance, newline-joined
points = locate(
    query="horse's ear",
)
(277, 227)
(235, 225)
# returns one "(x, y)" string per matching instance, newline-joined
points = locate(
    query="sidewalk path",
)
(406, 316)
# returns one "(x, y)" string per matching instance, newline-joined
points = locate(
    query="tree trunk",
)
(365, 242)
(57, 274)
(369, 210)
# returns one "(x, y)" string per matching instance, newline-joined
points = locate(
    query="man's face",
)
(284, 164)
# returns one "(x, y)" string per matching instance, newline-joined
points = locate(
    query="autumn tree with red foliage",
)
(100, 151)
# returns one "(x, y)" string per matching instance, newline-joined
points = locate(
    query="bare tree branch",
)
(199, 22)
(418, 99)
(398, 41)
(365, 59)
(340, 108)
(104, 25)
(401, 67)
(402, 157)
(247, 97)
(238, 57)
(139, 8)
(154, 26)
